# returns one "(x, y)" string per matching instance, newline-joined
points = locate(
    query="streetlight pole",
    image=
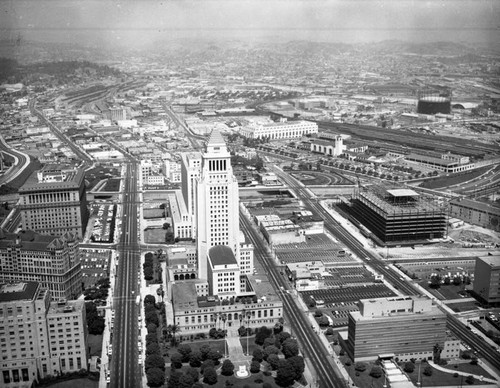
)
(224, 318)
(242, 317)
(248, 328)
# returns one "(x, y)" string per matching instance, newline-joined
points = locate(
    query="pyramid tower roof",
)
(216, 139)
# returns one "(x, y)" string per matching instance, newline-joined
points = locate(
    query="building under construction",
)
(399, 216)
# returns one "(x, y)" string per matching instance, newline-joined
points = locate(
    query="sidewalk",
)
(106, 335)
(465, 374)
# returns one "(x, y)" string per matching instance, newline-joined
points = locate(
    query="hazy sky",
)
(139, 22)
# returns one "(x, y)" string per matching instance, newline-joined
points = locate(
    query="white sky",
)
(136, 22)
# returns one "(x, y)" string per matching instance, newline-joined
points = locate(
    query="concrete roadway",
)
(312, 347)
(21, 162)
(77, 150)
(125, 371)
(457, 327)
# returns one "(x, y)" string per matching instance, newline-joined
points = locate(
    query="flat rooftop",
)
(381, 198)
(66, 306)
(70, 179)
(18, 291)
(184, 296)
(493, 261)
(490, 208)
(402, 193)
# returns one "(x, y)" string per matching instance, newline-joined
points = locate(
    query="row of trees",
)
(149, 267)
(360, 367)
(437, 280)
(99, 291)
(321, 318)
(154, 363)
(95, 323)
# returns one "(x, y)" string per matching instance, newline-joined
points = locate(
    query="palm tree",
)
(160, 292)
(173, 329)
(215, 318)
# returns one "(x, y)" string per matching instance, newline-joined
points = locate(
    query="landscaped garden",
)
(275, 361)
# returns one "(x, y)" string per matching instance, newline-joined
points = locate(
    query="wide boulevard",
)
(125, 371)
(325, 372)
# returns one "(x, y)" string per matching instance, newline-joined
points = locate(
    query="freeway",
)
(21, 161)
(313, 348)
(404, 285)
(57, 131)
(125, 371)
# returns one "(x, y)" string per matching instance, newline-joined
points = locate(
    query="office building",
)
(399, 216)
(117, 114)
(225, 293)
(407, 327)
(281, 130)
(181, 220)
(52, 261)
(190, 173)
(38, 337)
(487, 279)
(53, 201)
(217, 205)
(446, 163)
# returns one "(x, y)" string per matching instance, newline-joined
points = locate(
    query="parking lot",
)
(95, 265)
(101, 222)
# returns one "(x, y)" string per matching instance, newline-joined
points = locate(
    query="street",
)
(125, 371)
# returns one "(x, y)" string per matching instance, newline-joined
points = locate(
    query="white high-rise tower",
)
(217, 203)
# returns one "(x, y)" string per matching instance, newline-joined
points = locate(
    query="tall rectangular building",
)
(487, 279)
(53, 201)
(396, 216)
(53, 261)
(38, 337)
(407, 327)
(190, 173)
(217, 202)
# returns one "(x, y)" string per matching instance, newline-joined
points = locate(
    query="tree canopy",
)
(285, 375)
(155, 377)
(290, 348)
(209, 375)
(227, 368)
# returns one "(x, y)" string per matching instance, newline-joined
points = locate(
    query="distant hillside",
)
(12, 72)
(427, 48)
